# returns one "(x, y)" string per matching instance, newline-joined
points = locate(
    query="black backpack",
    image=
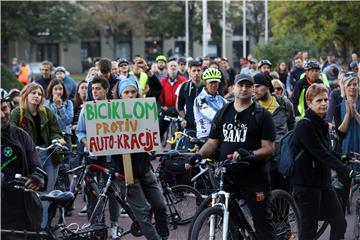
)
(288, 154)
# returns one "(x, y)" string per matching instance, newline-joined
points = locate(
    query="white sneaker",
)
(83, 211)
(123, 213)
(116, 232)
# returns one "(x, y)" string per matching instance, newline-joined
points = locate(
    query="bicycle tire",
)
(286, 215)
(206, 203)
(201, 226)
(96, 212)
(322, 225)
(185, 200)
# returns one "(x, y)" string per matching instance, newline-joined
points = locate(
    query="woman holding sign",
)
(145, 193)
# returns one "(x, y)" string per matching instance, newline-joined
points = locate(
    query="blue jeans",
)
(52, 171)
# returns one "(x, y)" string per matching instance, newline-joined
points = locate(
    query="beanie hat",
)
(263, 79)
(60, 69)
(127, 82)
(353, 64)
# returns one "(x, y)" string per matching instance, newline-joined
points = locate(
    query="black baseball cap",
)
(243, 77)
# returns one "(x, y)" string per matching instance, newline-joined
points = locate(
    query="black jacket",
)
(140, 163)
(187, 94)
(112, 81)
(312, 169)
(20, 138)
(43, 82)
(299, 86)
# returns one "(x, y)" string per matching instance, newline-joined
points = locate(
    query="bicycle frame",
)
(204, 168)
(104, 196)
(225, 207)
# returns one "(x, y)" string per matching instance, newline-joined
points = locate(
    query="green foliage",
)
(23, 20)
(328, 24)
(8, 80)
(280, 48)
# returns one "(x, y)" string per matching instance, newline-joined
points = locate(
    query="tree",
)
(116, 19)
(60, 21)
(328, 24)
(280, 48)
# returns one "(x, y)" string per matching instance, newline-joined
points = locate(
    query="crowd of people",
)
(244, 114)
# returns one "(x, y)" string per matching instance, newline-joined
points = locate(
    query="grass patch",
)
(78, 76)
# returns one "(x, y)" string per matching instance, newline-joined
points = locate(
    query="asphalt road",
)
(181, 232)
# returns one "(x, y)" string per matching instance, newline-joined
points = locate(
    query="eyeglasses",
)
(278, 88)
(350, 75)
(123, 65)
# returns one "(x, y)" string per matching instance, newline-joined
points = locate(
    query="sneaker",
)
(116, 232)
(83, 211)
(123, 213)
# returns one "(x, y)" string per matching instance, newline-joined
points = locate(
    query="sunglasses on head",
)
(350, 75)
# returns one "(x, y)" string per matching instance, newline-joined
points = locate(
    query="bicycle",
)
(177, 141)
(181, 200)
(172, 128)
(57, 200)
(215, 221)
(97, 215)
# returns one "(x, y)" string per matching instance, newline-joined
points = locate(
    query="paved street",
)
(181, 232)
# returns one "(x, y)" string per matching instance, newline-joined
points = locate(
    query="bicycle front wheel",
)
(209, 225)
(183, 202)
(286, 215)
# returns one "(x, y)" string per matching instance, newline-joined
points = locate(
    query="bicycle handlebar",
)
(106, 170)
(54, 144)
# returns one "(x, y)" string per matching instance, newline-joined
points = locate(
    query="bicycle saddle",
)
(58, 197)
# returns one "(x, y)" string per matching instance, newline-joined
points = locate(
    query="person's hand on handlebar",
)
(242, 154)
(62, 141)
(37, 180)
(192, 161)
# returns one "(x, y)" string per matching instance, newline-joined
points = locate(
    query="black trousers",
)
(316, 204)
(258, 201)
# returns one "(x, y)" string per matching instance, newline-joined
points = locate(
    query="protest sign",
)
(122, 126)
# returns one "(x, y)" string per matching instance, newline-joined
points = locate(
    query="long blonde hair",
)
(27, 90)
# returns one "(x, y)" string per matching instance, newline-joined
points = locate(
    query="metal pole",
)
(244, 28)
(266, 22)
(204, 22)
(187, 28)
(224, 28)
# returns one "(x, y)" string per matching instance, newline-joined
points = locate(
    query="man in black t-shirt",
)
(247, 131)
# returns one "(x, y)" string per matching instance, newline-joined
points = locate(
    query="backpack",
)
(288, 154)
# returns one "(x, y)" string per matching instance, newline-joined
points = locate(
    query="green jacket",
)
(49, 127)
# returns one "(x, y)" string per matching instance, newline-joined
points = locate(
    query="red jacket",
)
(167, 96)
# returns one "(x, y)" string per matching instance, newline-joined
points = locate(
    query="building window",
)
(48, 51)
(238, 52)
(123, 46)
(89, 51)
(179, 48)
(153, 48)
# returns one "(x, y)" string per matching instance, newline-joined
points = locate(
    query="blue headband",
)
(127, 82)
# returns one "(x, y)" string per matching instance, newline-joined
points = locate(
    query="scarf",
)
(351, 142)
(215, 102)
